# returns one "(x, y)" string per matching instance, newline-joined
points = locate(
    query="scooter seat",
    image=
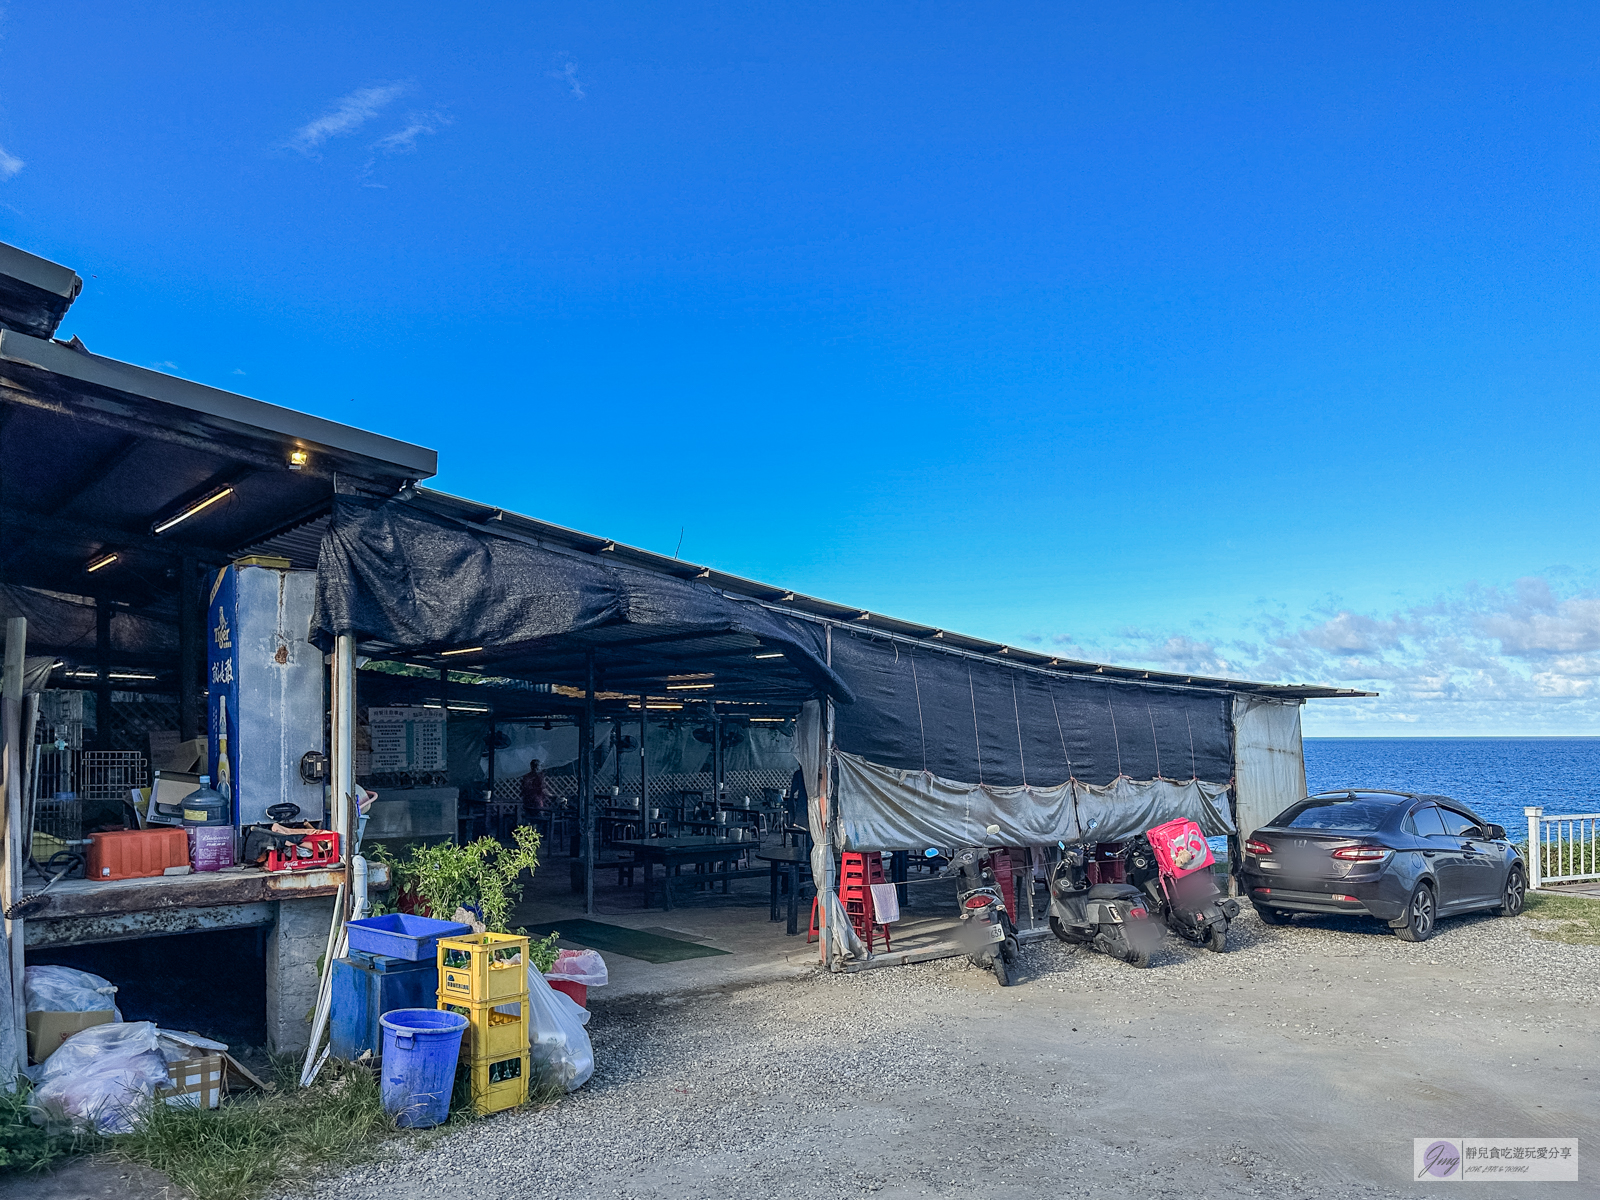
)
(1113, 891)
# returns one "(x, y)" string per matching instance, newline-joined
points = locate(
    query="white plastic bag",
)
(102, 1076)
(62, 989)
(579, 966)
(558, 1043)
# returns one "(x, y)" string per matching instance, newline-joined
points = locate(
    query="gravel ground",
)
(1300, 1064)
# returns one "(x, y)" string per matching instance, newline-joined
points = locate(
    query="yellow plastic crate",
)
(499, 1083)
(493, 1030)
(484, 968)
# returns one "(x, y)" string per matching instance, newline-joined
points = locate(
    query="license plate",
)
(997, 933)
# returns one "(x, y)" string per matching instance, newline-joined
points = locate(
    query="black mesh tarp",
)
(404, 579)
(981, 722)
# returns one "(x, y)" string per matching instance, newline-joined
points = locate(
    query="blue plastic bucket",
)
(420, 1048)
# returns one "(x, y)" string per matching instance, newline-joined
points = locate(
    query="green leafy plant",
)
(28, 1146)
(481, 874)
(543, 952)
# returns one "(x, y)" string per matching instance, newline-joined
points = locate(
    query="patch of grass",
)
(250, 1145)
(1574, 920)
(246, 1146)
(26, 1146)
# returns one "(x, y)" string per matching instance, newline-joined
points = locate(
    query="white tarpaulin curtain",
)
(810, 750)
(1269, 760)
(881, 808)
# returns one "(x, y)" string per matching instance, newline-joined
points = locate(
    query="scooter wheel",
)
(1137, 958)
(1060, 930)
(1217, 943)
(1008, 950)
(1001, 973)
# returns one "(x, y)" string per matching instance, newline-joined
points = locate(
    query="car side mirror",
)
(1495, 833)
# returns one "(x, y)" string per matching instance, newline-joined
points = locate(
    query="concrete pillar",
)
(298, 938)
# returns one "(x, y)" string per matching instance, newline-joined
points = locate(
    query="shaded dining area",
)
(781, 766)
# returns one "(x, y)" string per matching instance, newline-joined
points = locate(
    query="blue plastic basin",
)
(402, 935)
(420, 1048)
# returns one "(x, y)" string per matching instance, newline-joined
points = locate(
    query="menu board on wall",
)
(407, 739)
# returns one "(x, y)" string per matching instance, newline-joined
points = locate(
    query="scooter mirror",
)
(1061, 845)
(992, 829)
(931, 852)
(1093, 821)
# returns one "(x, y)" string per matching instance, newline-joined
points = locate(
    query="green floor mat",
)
(631, 943)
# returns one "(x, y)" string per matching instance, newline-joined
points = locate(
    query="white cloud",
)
(10, 164)
(404, 141)
(1478, 660)
(569, 75)
(348, 114)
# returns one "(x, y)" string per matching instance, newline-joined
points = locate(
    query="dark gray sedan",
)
(1402, 858)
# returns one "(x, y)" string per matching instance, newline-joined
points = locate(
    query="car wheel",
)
(1515, 895)
(1217, 943)
(1418, 923)
(1272, 916)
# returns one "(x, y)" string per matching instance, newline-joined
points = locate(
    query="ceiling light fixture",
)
(768, 720)
(103, 562)
(689, 687)
(669, 707)
(198, 507)
(467, 650)
(775, 654)
(138, 675)
(298, 459)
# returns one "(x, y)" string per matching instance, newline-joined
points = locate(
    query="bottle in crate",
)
(493, 1030)
(484, 968)
(499, 1083)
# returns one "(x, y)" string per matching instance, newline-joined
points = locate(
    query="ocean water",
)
(1495, 777)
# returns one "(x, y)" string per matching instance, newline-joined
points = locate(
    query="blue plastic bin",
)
(402, 935)
(420, 1048)
(365, 986)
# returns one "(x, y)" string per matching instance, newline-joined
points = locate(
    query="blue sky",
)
(1250, 339)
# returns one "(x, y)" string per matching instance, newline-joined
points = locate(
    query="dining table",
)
(674, 853)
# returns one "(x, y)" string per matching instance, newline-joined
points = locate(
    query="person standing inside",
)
(535, 794)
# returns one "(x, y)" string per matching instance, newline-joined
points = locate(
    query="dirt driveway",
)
(1300, 1064)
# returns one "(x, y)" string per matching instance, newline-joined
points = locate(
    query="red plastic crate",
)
(324, 845)
(136, 853)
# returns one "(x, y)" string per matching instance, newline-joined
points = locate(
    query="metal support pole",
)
(716, 754)
(591, 824)
(644, 771)
(11, 878)
(191, 653)
(102, 662)
(344, 741)
(494, 730)
(1535, 852)
(826, 885)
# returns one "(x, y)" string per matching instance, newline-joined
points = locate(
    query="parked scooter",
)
(1111, 917)
(986, 927)
(1172, 865)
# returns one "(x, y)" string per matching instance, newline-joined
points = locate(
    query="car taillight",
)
(1361, 853)
(1255, 847)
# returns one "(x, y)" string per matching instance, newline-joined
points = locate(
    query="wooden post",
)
(590, 818)
(11, 877)
(716, 756)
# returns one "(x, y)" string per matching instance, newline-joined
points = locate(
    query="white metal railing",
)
(1562, 849)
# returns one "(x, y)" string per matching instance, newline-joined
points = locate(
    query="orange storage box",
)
(136, 853)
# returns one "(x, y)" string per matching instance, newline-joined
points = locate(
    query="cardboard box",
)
(47, 1030)
(195, 1081)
